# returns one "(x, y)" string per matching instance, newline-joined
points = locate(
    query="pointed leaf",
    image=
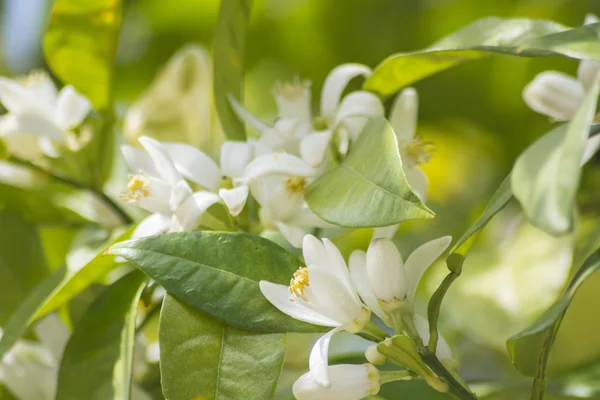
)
(202, 358)
(369, 188)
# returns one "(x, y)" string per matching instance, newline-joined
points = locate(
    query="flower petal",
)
(277, 164)
(586, 73)
(15, 97)
(359, 104)
(332, 297)
(157, 199)
(386, 232)
(358, 271)
(71, 108)
(348, 382)
(33, 123)
(279, 296)
(234, 199)
(304, 217)
(404, 115)
(334, 86)
(591, 147)
(194, 165)
(418, 182)
(187, 216)
(154, 224)
(385, 270)
(163, 163)
(337, 265)
(293, 101)
(293, 234)
(420, 259)
(235, 156)
(246, 116)
(443, 349)
(314, 148)
(318, 361)
(138, 160)
(554, 94)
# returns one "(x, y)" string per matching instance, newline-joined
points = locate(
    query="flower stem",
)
(391, 376)
(374, 331)
(455, 387)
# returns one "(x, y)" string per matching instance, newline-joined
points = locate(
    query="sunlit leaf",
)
(229, 45)
(218, 273)
(81, 43)
(202, 358)
(369, 188)
(98, 359)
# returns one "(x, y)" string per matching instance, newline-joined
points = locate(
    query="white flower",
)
(160, 188)
(383, 279)
(413, 151)
(559, 95)
(322, 293)
(38, 117)
(348, 382)
(298, 132)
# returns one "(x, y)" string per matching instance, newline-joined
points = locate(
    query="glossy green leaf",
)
(529, 350)
(98, 359)
(546, 176)
(367, 191)
(81, 43)
(87, 265)
(229, 46)
(582, 42)
(23, 316)
(473, 42)
(202, 358)
(218, 273)
(22, 262)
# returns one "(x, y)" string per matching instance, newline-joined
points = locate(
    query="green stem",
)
(455, 387)
(391, 376)
(433, 308)
(374, 331)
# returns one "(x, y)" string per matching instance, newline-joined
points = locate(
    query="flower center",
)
(33, 78)
(320, 123)
(295, 185)
(137, 188)
(418, 152)
(226, 182)
(299, 282)
(292, 90)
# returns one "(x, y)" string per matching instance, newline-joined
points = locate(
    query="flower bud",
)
(374, 356)
(385, 270)
(348, 382)
(554, 94)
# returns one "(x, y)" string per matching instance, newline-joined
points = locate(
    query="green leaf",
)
(229, 46)
(202, 358)
(22, 262)
(582, 43)
(529, 349)
(98, 359)
(546, 176)
(86, 266)
(367, 191)
(218, 273)
(473, 42)
(24, 314)
(81, 43)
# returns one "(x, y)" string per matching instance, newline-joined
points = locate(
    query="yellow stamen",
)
(137, 188)
(299, 282)
(295, 185)
(33, 78)
(292, 90)
(419, 152)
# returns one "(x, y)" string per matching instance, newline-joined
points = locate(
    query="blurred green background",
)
(474, 114)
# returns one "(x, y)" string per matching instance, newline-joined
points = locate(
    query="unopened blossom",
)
(40, 119)
(157, 186)
(559, 95)
(322, 293)
(298, 132)
(348, 382)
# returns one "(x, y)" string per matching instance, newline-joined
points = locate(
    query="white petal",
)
(282, 135)
(334, 86)
(71, 108)
(418, 182)
(337, 265)
(586, 73)
(293, 101)
(318, 361)
(15, 97)
(420, 259)
(359, 104)
(306, 218)
(138, 160)
(443, 349)
(48, 147)
(348, 382)
(194, 164)
(358, 271)
(590, 19)
(154, 224)
(277, 164)
(163, 163)
(554, 94)
(246, 116)
(179, 193)
(293, 234)
(235, 156)
(591, 147)
(314, 148)
(53, 333)
(385, 270)
(23, 145)
(157, 201)
(332, 297)
(386, 232)
(404, 115)
(234, 199)
(41, 87)
(187, 217)
(313, 251)
(279, 296)
(36, 124)
(259, 149)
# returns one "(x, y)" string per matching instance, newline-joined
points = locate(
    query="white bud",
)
(374, 356)
(554, 94)
(348, 382)
(385, 270)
